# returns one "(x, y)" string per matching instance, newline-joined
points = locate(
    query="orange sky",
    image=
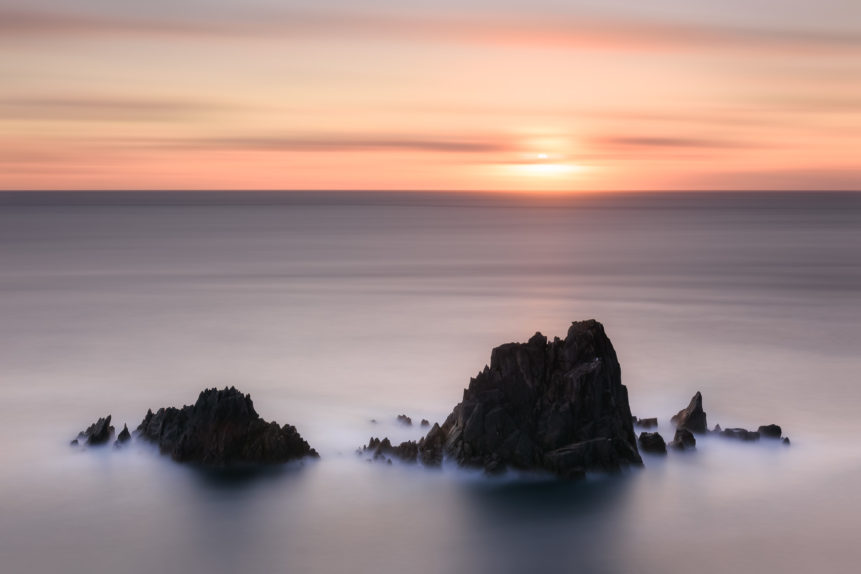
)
(472, 95)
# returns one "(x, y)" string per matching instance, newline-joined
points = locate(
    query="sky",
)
(509, 95)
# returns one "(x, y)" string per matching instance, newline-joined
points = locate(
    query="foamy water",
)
(334, 309)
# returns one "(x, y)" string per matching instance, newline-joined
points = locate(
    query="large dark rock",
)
(557, 406)
(222, 429)
(97, 433)
(770, 431)
(692, 417)
(652, 442)
(683, 439)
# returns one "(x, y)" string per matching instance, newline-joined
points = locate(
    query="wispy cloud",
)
(661, 142)
(327, 143)
(90, 108)
(586, 31)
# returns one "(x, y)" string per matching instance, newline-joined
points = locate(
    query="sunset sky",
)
(451, 95)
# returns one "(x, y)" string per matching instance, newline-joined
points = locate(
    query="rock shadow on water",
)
(545, 497)
(239, 477)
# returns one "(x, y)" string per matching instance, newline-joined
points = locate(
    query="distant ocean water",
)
(335, 308)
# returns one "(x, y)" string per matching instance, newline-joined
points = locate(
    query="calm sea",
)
(332, 309)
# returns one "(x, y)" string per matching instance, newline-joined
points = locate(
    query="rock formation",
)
(557, 406)
(97, 433)
(683, 439)
(652, 442)
(740, 434)
(647, 423)
(405, 420)
(770, 431)
(692, 417)
(222, 429)
(124, 436)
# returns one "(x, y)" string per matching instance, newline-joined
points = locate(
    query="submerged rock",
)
(381, 449)
(770, 431)
(740, 434)
(683, 439)
(221, 429)
(557, 406)
(692, 417)
(652, 442)
(647, 423)
(97, 433)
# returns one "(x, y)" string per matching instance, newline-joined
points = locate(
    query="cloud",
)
(350, 144)
(87, 108)
(551, 30)
(661, 142)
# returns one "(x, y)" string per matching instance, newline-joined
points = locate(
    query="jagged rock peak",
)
(692, 417)
(222, 429)
(557, 406)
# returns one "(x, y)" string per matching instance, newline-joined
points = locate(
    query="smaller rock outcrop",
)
(100, 432)
(425, 423)
(770, 431)
(381, 449)
(786, 441)
(692, 417)
(405, 420)
(222, 429)
(647, 423)
(652, 442)
(683, 440)
(740, 434)
(124, 436)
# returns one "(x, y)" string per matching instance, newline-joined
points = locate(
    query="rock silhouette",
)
(770, 431)
(557, 406)
(97, 433)
(740, 434)
(647, 423)
(222, 429)
(683, 439)
(692, 417)
(652, 442)
(124, 436)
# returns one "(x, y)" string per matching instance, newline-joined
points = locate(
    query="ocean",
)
(333, 309)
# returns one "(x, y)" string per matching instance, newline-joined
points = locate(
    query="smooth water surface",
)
(332, 309)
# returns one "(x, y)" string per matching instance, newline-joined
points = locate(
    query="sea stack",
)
(222, 429)
(692, 417)
(556, 406)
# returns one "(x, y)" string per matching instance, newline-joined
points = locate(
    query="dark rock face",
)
(405, 420)
(770, 431)
(556, 406)
(652, 442)
(425, 423)
(222, 429)
(124, 436)
(786, 441)
(381, 449)
(97, 433)
(647, 423)
(692, 417)
(683, 439)
(740, 434)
